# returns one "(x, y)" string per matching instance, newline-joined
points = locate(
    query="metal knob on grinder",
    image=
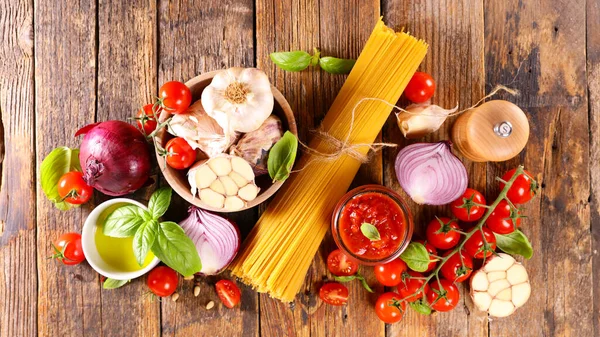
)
(494, 131)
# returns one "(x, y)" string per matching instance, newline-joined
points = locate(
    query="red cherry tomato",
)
(146, 121)
(68, 250)
(180, 154)
(162, 281)
(390, 308)
(175, 97)
(420, 88)
(444, 298)
(339, 264)
(334, 293)
(73, 189)
(475, 245)
(523, 188)
(390, 274)
(409, 287)
(432, 251)
(465, 208)
(229, 293)
(456, 269)
(500, 220)
(442, 233)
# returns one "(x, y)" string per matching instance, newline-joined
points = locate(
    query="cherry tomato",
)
(464, 208)
(409, 286)
(68, 250)
(390, 308)
(334, 293)
(175, 97)
(146, 121)
(162, 281)
(523, 188)
(442, 233)
(229, 293)
(456, 269)
(339, 264)
(180, 154)
(444, 298)
(432, 251)
(390, 274)
(420, 88)
(73, 189)
(500, 220)
(474, 246)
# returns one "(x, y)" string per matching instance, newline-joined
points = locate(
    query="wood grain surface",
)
(66, 64)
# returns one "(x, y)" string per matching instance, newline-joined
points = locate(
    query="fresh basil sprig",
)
(416, 257)
(356, 276)
(282, 157)
(113, 284)
(515, 243)
(299, 60)
(335, 65)
(166, 240)
(58, 162)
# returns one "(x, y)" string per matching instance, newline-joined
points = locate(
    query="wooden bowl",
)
(177, 179)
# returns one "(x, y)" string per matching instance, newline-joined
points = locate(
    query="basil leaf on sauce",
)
(58, 162)
(416, 257)
(370, 231)
(515, 243)
(282, 157)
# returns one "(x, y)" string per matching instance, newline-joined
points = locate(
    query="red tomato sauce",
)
(380, 211)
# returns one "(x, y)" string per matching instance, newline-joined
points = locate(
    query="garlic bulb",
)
(422, 119)
(254, 146)
(239, 99)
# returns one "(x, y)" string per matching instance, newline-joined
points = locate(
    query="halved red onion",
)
(430, 174)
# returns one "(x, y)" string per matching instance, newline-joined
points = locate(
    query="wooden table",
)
(66, 64)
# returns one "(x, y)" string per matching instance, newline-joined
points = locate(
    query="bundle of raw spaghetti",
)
(280, 248)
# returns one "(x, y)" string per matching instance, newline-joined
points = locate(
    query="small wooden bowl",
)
(178, 179)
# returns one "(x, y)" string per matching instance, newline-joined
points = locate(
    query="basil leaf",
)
(357, 276)
(335, 65)
(159, 202)
(416, 257)
(292, 60)
(515, 243)
(282, 157)
(124, 221)
(58, 162)
(113, 284)
(370, 231)
(176, 250)
(420, 306)
(144, 239)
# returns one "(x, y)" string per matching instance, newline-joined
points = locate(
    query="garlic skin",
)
(422, 119)
(239, 99)
(254, 146)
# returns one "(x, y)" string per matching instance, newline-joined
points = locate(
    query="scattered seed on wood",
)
(189, 278)
(175, 297)
(210, 305)
(196, 291)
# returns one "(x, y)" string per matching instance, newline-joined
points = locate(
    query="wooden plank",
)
(531, 36)
(18, 303)
(127, 72)
(196, 37)
(454, 31)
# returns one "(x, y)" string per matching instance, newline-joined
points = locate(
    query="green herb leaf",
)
(113, 284)
(416, 257)
(144, 239)
(60, 161)
(356, 276)
(124, 221)
(515, 243)
(370, 231)
(282, 157)
(176, 250)
(292, 60)
(159, 202)
(335, 65)
(420, 306)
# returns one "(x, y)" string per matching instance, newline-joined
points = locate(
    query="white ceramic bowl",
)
(91, 252)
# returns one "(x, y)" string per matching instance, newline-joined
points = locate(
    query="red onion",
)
(114, 157)
(430, 173)
(217, 239)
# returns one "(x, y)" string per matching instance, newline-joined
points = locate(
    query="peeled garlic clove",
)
(497, 286)
(496, 275)
(217, 186)
(422, 119)
(248, 192)
(241, 167)
(499, 308)
(501, 262)
(482, 300)
(221, 166)
(479, 281)
(521, 293)
(230, 187)
(516, 274)
(233, 203)
(212, 198)
(238, 179)
(505, 295)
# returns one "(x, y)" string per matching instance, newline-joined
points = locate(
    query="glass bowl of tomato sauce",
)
(377, 206)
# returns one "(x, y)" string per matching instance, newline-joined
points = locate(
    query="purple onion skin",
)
(114, 158)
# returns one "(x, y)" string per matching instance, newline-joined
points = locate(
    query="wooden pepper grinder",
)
(494, 131)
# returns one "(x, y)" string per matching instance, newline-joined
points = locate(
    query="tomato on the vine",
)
(175, 97)
(467, 207)
(146, 121)
(180, 154)
(339, 264)
(523, 188)
(334, 293)
(409, 287)
(432, 251)
(68, 250)
(443, 233)
(420, 88)
(390, 274)
(162, 281)
(444, 298)
(390, 308)
(475, 244)
(457, 269)
(228, 293)
(73, 189)
(503, 219)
